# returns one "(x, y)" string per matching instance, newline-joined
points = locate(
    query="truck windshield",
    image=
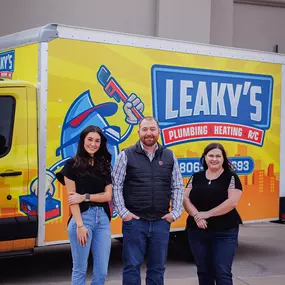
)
(7, 110)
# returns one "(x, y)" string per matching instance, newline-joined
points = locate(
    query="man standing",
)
(146, 177)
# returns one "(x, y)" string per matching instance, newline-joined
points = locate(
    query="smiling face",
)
(214, 159)
(149, 132)
(92, 143)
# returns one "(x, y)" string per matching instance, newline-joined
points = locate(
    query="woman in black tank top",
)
(210, 199)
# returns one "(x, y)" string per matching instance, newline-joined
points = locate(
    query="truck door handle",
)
(14, 173)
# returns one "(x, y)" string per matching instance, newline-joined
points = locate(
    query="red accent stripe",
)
(52, 214)
(79, 119)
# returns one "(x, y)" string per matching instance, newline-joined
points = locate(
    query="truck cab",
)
(18, 164)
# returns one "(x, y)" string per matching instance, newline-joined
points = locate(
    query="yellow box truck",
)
(56, 80)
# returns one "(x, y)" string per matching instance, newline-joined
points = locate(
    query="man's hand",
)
(75, 198)
(130, 216)
(168, 217)
(133, 102)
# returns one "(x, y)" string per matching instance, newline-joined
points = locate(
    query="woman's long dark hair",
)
(102, 157)
(227, 165)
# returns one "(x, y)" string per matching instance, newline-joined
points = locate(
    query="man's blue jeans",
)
(142, 238)
(213, 253)
(99, 241)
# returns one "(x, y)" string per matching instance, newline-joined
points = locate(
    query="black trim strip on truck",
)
(282, 209)
(17, 253)
(18, 228)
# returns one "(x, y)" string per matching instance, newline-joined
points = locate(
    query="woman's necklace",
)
(216, 176)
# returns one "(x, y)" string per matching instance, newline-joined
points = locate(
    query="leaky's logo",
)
(198, 104)
(7, 60)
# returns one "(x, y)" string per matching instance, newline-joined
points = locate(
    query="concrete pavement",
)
(259, 260)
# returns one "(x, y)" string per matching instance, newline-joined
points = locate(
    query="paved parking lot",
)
(260, 259)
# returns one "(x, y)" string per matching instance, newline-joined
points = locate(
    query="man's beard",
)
(148, 142)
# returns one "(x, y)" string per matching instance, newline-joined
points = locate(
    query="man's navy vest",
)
(147, 186)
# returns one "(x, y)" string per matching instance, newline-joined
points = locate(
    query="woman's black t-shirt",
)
(91, 182)
(206, 194)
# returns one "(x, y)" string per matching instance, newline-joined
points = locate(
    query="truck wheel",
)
(179, 246)
(120, 239)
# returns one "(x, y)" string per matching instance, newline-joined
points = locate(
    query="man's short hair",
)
(149, 118)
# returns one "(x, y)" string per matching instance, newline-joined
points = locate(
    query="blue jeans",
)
(213, 253)
(99, 241)
(142, 238)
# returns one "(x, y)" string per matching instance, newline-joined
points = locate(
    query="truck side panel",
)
(282, 150)
(197, 99)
